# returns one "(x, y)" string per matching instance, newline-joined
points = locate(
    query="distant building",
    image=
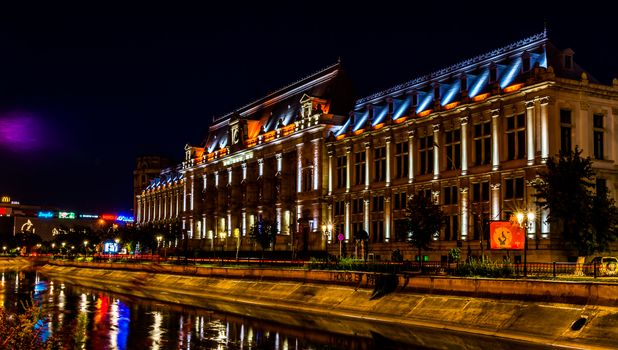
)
(147, 168)
(472, 136)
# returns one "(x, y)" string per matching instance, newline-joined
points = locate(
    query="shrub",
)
(484, 269)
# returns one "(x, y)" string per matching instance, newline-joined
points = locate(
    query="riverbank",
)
(460, 305)
(16, 262)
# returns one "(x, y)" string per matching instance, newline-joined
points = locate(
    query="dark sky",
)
(84, 91)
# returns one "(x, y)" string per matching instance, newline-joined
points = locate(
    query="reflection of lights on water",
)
(277, 341)
(16, 282)
(83, 304)
(3, 279)
(242, 335)
(285, 343)
(113, 334)
(156, 331)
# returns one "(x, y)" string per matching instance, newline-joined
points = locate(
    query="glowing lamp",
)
(480, 97)
(340, 137)
(378, 126)
(513, 88)
(400, 120)
(359, 131)
(424, 113)
(451, 105)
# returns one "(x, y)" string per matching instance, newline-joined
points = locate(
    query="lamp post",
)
(86, 248)
(526, 221)
(326, 232)
(159, 239)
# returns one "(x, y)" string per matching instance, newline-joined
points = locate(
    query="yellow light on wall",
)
(400, 120)
(359, 131)
(480, 97)
(424, 113)
(378, 126)
(340, 137)
(513, 88)
(451, 105)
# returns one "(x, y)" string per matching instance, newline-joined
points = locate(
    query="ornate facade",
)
(473, 136)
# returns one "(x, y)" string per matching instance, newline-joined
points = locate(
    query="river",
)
(99, 320)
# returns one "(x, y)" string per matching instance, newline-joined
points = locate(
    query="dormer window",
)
(493, 73)
(525, 62)
(436, 92)
(414, 99)
(463, 83)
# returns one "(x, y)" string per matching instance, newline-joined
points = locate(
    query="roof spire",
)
(545, 27)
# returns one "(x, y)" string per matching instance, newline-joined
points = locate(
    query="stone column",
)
(464, 145)
(192, 199)
(139, 209)
(347, 220)
(159, 207)
(495, 201)
(436, 151)
(330, 172)
(299, 167)
(544, 130)
(348, 166)
(388, 160)
(530, 131)
(184, 197)
(317, 164)
(387, 219)
(366, 214)
(495, 139)
(464, 210)
(367, 165)
(411, 158)
(164, 205)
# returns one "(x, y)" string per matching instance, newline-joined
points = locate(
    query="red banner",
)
(506, 235)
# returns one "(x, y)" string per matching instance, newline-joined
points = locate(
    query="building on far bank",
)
(147, 168)
(473, 136)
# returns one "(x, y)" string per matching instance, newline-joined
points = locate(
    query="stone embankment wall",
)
(529, 311)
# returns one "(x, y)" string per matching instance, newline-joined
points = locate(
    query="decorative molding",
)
(464, 120)
(495, 113)
(544, 100)
(537, 38)
(436, 128)
(584, 105)
(495, 187)
(529, 104)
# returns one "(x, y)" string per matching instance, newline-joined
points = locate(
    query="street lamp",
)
(326, 232)
(86, 247)
(526, 221)
(159, 239)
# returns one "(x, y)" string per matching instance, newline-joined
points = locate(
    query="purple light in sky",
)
(20, 132)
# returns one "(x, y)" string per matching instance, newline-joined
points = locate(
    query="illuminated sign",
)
(46, 214)
(506, 235)
(237, 158)
(108, 217)
(66, 215)
(88, 216)
(6, 199)
(125, 218)
(4, 211)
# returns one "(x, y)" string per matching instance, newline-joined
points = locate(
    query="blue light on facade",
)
(361, 121)
(401, 108)
(480, 83)
(511, 73)
(380, 116)
(451, 93)
(423, 105)
(344, 127)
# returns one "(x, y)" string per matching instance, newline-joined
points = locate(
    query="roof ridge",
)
(520, 43)
(215, 120)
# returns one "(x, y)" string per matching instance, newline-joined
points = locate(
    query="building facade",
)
(472, 136)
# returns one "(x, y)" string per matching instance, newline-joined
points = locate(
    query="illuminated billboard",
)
(46, 214)
(506, 235)
(66, 215)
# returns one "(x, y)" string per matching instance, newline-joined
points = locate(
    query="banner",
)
(506, 235)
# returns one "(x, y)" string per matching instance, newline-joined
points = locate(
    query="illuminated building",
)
(473, 136)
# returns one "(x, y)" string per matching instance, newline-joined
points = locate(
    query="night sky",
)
(84, 91)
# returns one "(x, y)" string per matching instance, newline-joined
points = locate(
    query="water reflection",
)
(90, 319)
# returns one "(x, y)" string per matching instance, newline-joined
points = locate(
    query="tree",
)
(264, 232)
(586, 217)
(423, 220)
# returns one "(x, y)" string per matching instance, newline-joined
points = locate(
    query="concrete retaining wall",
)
(283, 295)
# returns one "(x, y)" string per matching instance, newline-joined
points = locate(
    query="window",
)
(378, 204)
(307, 180)
(379, 162)
(400, 200)
(514, 188)
(451, 227)
(453, 149)
(598, 136)
(357, 206)
(425, 151)
(516, 137)
(426, 193)
(401, 160)
(482, 143)
(359, 168)
(339, 208)
(357, 227)
(450, 195)
(480, 192)
(565, 130)
(341, 171)
(377, 231)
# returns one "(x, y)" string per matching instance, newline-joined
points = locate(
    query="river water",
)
(99, 320)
